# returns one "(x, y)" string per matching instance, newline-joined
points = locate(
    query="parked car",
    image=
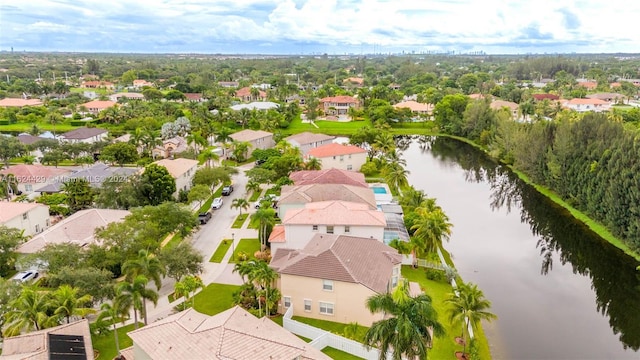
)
(260, 162)
(217, 203)
(25, 276)
(227, 190)
(204, 217)
(272, 198)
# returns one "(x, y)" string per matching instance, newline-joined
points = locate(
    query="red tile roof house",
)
(498, 104)
(608, 97)
(589, 85)
(96, 106)
(233, 334)
(33, 177)
(333, 275)
(328, 176)
(339, 156)
(306, 141)
(195, 97)
(98, 84)
(139, 83)
(85, 135)
(541, 97)
(584, 105)
(244, 95)
(339, 105)
(330, 217)
(296, 196)
(415, 107)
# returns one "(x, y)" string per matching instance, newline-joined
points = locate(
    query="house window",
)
(349, 167)
(307, 305)
(326, 308)
(347, 229)
(37, 228)
(341, 157)
(394, 277)
(349, 156)
(327, 285)
(329, 229)
(28, 187)
(287, 301)
(48, 222)
(314, 227)
(334, 158)
(25, 216)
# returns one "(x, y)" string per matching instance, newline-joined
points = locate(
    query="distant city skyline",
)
(335, 27)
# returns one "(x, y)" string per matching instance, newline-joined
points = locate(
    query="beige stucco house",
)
(306, 141)
(257, 139)
(584, 105)
(170, 147)
(328, 176)
(329, 217)
(182, 171)
(296, 196)
(31, 178)
(415, 107)
(339, 105)
(85, 135)
(339, 156)
(333, 275)
(32, 218)
(96, 106)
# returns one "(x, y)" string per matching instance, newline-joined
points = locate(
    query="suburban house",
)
(85, 135)
(32, 218)
(589, 85)
(233, 334)
(169, 147)
(95, 84)
(28, 139)
(328, 176)
(338, 105)
(608, 97)
(256, 105)
(66, 341)
(140, 83)
(31, 178)
(415, 107)
(96, 106)
(541, 97)
(78, 229)
(126, 95)
(245, 95)
(257, 139)
(329, 217)
(17, 102)
(228, 84)
(354, 81)
(510, 105)
(306, 141)
(332, 277)
(195, 97)
(95, 175)
(296, 196)
(339, 156)
(583, 105)
(181, 170)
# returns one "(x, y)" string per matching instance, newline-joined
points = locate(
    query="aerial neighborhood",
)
(214, 207)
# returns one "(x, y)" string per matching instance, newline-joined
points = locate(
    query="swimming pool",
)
(379, 190)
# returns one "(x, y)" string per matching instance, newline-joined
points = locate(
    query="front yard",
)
(105, 344)
(246, 246)
(215, 299)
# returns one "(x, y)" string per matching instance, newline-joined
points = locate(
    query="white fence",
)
(321, 338)
(408, 260)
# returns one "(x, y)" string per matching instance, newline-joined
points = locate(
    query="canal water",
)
(559, 290)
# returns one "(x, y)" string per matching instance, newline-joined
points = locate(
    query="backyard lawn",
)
(215, 299)
(106, 346)
(330, 326)
(221, 251)
(248, 246)
(339, 354)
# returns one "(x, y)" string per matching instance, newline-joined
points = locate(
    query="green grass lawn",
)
(330, 326)
(254, 197)
(43, 126)
(248, 246)
(339, 354)
(445, 347)
(215, 298)
(239, 221)
(105, 344)
(221, 251)
(175, 240)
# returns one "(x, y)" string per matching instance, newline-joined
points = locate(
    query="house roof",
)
(328, 176)
(34, 174)
(9, 210)
(297, 194)
(476, 96)
(99, 104)
(605, 96)
(28, 139)
(580, 101)
(35, 345)
(499, 104)
(588, 84)
(233, 334)
(78, 229)
(193, 96)
(306, 137)
(414, 106)
(341, 258)
(545, 96)
(277, 234)
(95, 175)
(250, 135)
(128, 95)
(177, 167)
(83, 133)
(335, 212)
(335, 149)
(246, 91)
(340, 99)
(17, 102)
(355, 80)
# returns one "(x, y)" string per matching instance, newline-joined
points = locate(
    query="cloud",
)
(336, 26)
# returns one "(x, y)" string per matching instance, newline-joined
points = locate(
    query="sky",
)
(320, 26)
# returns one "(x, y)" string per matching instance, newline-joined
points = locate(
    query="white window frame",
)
(327, 285)
(329, 308)
(310, 303)
(349, 167)
(347, 229)
(314, 227)
(25, 216)
(332, 229)
(286, 300)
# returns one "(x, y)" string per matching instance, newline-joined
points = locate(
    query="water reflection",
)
(614, 278)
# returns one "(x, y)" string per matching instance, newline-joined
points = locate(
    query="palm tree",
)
(395, 175)
(313, 164)
(53, 118)
(412, 198)
(384, 142)
(253, 186)
(186, 286)
(255, 94)
(208, 156)
(431, 227)
(134, 294)
(29, 311)
(265, 217)
(8, 185)
(243, 269)
(240, 203)
(146, 264)
(67, 303)
(468, 306)
(115, 312)
(407, 326)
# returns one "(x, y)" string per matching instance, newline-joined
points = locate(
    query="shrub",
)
(263, 255)
(436, 275)
(369, 168)
(4, 122)
(243, 256)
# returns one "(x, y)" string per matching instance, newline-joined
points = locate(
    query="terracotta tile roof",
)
(340, 99)
(476, 96)
(95, 175)
(580, 101)
(9, 210)
(306, 137)
(297, 194)
(35, 345)
(499, 104)
(277, 234)
(607, 96)
(355, 80)
(246, 91)
(414, 106)
(33, 174)
(335, 149)
(341, 258)
(99, 104)
(233, 334)
(589, 85)
(83, 133)
(335, 212)
(545, 96)
(16, 102)
(78, 229)
(328, 176)
(177, 167)
(193, 96)
(249, 135)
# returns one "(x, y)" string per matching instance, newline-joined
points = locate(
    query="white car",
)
(25, 276)
(217, 203)
(273, 198)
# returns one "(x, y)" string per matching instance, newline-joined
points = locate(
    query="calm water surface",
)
(560, 292)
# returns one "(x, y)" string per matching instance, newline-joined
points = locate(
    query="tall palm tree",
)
(264, 276)
(67, 303)
(243, 269)
(208, 156)
(468, 306)
(431, 227)
(253, 186)
(412, 198)
(240, 203)
(30, 311)
(384, 143)
(265, 217)
(407, 326)
(313, 164)
(395, 175)
(53, 118)
(115, 312)
(146, 264)
(8, 186)
(188, 285)
(134, 294)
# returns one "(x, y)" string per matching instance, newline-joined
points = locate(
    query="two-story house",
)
(182, 170)
(257, 139)
(297, 196)
(96, 106)
(306, 141)
(339, 105)
(31, 178)
(328, 176)
(32, 218)
(584, 105)
(339, 156)
(85, 135)
(332, 277)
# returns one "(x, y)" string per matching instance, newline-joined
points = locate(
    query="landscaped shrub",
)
(436, 275)
(243, 256)
(369, 168)
(4, 122)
